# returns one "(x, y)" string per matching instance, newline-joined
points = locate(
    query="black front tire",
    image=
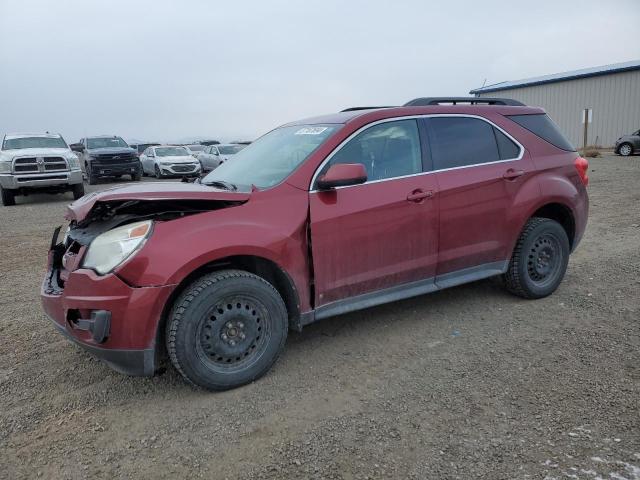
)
(8, 197)
(78, 191)
(226, 329)
(539, 260)
(626, 149)
(157, 172)
(136, 177)
(91, 178)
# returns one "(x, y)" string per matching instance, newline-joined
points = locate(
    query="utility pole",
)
(586, 127)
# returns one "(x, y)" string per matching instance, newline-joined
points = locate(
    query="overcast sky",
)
(167, 70)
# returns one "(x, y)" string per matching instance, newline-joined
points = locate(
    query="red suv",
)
(316, 218)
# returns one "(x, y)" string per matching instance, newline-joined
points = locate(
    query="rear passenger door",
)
(479, 169)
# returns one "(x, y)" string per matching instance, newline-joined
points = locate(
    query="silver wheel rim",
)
(625, 150)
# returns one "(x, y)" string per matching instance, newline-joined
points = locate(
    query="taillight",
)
(582, 166)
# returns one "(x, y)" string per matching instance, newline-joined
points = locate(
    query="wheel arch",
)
(561, 213)
(258, 265)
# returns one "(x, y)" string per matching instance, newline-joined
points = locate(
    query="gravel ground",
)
(465, 383)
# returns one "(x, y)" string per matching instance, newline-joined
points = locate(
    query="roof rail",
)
(353, 109)
(424, 101)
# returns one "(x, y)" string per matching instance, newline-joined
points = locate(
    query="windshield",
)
(106, 142)
(33, 142)
(196, 148)
(172, 152)
(230, 149)
(272, 158)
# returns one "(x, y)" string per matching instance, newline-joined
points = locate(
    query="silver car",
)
(169, 161)
(213, 155)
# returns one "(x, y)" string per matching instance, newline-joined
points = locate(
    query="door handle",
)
(512, 174)
(419, 195)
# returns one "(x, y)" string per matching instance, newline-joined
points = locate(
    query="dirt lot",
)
(465, 383)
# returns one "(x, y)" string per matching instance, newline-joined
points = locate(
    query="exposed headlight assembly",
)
(112, 248)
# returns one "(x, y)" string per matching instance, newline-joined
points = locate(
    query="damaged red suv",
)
(316, 218)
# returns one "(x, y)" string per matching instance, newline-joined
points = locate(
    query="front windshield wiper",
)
(221, 184)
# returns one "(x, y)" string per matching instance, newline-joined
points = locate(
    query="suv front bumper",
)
(127, 342)
(111, 169)
(10, 181)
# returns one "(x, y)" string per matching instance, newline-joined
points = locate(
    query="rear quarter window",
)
(541, 125)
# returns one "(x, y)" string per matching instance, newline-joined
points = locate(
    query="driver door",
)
(380, 236)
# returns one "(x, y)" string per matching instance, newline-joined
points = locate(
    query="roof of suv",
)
(390, 112)
(10, 136)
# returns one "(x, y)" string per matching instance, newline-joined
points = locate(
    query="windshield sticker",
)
(310, 131)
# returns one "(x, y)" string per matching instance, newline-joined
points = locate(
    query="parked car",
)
(107, 156)
(321, 217)
(194, 150)
(168, 160)
(141, 147)
(37, 162)
(628, 144)
(212, 156)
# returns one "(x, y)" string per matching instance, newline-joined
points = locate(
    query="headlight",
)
(111, 248)
(74, 163)
(5, 167)
(166, 164)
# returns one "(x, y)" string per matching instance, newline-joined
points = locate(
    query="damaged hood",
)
(151, 192)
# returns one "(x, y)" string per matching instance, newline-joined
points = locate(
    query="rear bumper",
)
(35, 180)
(110, 169)
(127, 342)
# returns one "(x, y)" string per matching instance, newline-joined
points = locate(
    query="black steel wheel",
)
(540, 259)
(226, 329)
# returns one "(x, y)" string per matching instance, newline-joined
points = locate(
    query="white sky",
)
(169, 70)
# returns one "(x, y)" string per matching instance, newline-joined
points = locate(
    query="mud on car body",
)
(317, 218)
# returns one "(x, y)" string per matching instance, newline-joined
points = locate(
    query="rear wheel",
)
(226, 329)
(625, 149)
(78, 191)
(8, 197)
(136, 177)
(539, 260)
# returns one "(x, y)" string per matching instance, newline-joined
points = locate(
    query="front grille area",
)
(39, 164)
(42, 177)
(183, 168)
(115, 158)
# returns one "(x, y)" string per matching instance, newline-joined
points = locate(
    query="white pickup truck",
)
(37, 162)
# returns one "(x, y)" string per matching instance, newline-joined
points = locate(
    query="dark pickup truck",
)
(107, 156)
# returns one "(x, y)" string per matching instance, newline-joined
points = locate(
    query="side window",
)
(506, 147)
(461, 141)
(387, 150)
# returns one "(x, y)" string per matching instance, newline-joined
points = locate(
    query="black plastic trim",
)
(407, 290)
(139, 363)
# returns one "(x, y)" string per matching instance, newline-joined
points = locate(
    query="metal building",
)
(611, 92)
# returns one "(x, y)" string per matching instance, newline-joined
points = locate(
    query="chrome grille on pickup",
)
(39, 164)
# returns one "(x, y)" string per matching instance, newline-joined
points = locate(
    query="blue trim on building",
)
(560, 77)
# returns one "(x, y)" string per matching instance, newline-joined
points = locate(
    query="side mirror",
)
(341, 175)
(77, 147)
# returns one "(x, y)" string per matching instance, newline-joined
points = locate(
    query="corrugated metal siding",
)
(615, 100)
